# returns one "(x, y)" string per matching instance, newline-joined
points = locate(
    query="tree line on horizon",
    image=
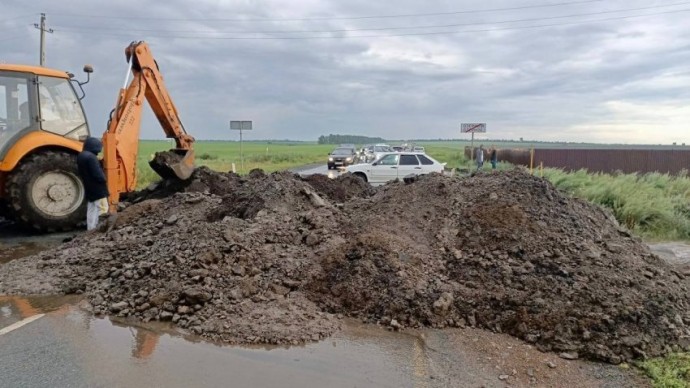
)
(348, 139)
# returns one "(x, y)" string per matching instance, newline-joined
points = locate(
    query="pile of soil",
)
(278, 259)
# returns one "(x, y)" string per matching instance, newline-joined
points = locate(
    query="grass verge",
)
(669, 372)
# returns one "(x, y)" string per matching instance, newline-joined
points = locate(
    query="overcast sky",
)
(534, 71)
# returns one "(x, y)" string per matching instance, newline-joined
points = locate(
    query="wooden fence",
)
(599, 160)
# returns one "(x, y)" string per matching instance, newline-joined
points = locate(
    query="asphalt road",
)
(317, 169)
(68, 347)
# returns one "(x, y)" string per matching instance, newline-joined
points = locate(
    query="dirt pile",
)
(277, 258)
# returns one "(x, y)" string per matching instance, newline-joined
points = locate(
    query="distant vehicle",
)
(418, 149)
(396, 165)
(341, 156)
(374, 152)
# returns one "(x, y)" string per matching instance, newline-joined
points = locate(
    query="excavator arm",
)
(121, 140)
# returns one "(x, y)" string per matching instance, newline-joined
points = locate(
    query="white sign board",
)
(241, 125)
(473, 127)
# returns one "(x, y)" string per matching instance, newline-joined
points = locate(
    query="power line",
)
(17, 17)
(378, 28)
(335, 18)
(12, 37)
(406, 34)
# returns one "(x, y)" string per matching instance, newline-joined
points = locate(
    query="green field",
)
(220, 156)
(272, 156)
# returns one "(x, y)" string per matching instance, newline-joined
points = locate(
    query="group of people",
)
(493, 157)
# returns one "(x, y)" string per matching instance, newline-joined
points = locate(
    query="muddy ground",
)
(280, 259)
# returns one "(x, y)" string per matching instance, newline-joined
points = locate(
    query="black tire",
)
(331, 166)
(52, 178)
(361, 176)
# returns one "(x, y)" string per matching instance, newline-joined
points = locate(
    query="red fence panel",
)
(602, 160)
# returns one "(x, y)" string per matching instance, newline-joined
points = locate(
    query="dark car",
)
(341, 156)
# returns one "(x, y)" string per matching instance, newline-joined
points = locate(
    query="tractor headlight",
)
(330, 159)
(349, 159)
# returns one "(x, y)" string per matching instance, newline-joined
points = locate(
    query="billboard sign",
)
(473, 127)
(241, 125)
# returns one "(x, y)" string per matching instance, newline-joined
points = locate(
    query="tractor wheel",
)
(45, 193)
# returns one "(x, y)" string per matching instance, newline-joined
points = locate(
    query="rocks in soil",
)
(259, 259)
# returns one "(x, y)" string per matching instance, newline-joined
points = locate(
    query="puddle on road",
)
(15, 308)
(9, 252)
(677, 253)
(114, 352)
(356, 357)
(15, 244)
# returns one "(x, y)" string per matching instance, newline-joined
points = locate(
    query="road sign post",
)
(472, 128)
(241, 126)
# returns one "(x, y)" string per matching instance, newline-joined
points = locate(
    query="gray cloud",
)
(604, 81)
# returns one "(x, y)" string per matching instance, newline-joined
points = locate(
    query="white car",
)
(392, 166)
(374, 152)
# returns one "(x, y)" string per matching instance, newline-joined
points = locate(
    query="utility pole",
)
(43, 29)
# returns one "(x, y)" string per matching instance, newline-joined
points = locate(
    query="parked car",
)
(341, 156)
(418, 149)
(396, 165)
(374, 152)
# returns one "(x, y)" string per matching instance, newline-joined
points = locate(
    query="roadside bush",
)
(207, 156)
(274, 158)
(652, 205)
(670, 372)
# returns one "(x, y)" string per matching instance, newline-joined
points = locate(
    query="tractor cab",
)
(38, 99)
(42, 123)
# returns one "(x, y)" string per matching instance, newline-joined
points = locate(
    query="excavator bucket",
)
(173, 164)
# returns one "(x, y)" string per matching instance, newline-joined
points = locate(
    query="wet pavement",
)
(318, 169)
(16, 243)
(68, 347)
(676, 253)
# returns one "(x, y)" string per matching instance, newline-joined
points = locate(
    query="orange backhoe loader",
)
(43, 125)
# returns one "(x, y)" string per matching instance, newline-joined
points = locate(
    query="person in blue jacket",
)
(494, 157)
(95, 187)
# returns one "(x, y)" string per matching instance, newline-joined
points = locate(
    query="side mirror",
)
(375, 164)
(88, 69)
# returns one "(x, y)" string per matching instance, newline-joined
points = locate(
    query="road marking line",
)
(21, 323)
(421, 364)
